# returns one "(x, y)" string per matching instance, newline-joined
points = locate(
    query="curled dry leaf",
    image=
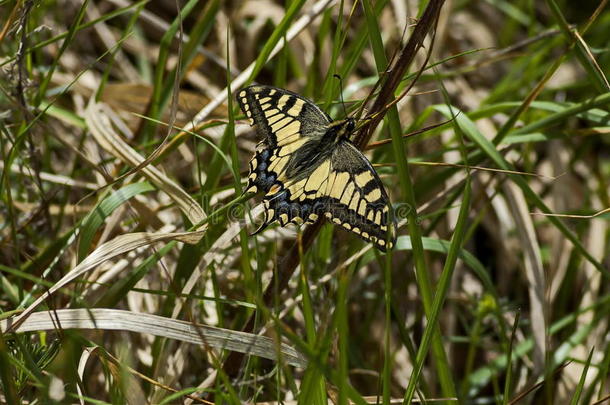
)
(135, 97)
(82, 363)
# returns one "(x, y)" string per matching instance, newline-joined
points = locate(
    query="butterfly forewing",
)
(357, 200)
(306, 172)
(282, 117)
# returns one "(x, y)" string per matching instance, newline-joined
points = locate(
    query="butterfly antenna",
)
(341, 92)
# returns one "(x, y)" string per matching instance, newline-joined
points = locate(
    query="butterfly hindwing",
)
(300, 199)
(260, 178)
(307, 167)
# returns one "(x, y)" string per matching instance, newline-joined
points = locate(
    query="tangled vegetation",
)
(128, 272)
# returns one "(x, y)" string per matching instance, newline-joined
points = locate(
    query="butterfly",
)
(308, 168)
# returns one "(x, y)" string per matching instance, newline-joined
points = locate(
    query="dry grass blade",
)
(367, 400)
(591, 58)
(82, 363)
(373, 145)
(117, 246)
(472, 168)
(517, 399)
(597, 214)
(53, 178)
(99, 121)
(116, 363)
(113, 319)
(590, 294)
(104, 33)
(534, 271)
(602, 400)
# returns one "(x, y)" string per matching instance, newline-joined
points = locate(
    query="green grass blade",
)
(594, 73)
(276, 36)
(441, 292)
(42, 89)
(157, 102)
(102, 210)
(197, 36)
(509, 362)
(581, 383)
(7, 374)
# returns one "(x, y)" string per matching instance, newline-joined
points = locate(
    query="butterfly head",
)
(344, 128)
